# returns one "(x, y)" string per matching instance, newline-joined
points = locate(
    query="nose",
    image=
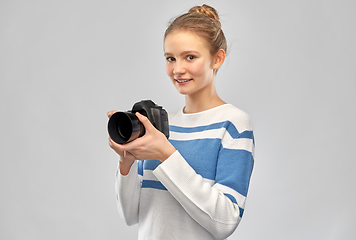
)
(178, 68)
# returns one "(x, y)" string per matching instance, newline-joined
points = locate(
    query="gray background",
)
(64, 64)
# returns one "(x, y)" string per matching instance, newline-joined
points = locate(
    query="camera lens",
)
(124, 127)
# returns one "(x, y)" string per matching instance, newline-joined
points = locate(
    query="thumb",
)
(145, 121)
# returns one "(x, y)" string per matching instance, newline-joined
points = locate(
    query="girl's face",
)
(189, 62)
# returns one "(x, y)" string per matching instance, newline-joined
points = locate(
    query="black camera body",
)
(124, 127)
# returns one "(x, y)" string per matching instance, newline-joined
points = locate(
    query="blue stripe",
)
(234, 169)
(153, 184)
(140, 168)
(147, 165)
(200, 154)
(231, 198)
(234, 133)
(247, 134)
(151, 164)
(241, 212)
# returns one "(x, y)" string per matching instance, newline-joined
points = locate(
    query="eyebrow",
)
(183, 53)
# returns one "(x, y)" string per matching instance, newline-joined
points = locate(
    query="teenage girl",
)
(194, 184)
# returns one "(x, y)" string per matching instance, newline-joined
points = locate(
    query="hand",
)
(153, 145)
(126, 158)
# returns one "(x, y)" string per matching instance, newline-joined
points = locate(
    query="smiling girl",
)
(193, 185)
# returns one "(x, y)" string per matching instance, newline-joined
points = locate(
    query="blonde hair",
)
(203, 21)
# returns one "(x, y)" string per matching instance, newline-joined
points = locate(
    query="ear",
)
(219, 59)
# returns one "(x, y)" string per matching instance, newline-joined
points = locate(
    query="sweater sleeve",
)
(128, 189)
(217, 207)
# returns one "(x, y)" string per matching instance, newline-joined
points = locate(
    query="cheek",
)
(169, 70)
(200, 69)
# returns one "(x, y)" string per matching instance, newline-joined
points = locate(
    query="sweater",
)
(199, 192)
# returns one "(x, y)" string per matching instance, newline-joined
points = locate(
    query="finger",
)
(128, 153)
(110, 113)
(145, 121)
(117, 147)
(111, 143)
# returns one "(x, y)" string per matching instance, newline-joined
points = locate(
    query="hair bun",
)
(203, 21)
(207, 11)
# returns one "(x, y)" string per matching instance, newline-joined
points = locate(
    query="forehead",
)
(181, 40)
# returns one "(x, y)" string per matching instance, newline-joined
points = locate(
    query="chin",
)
(183, 92)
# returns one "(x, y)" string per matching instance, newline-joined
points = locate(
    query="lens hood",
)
(124, 127)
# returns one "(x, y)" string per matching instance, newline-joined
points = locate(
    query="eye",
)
(170, 59)
(190, 57)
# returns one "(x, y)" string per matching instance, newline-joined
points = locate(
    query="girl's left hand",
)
(152, 145)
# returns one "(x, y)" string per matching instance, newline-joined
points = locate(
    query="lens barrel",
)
(124, 127)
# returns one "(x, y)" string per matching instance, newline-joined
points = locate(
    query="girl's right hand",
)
(126, 158)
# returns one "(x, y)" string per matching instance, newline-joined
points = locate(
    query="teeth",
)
(182, 81)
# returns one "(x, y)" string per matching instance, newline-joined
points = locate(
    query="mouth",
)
(183, 81)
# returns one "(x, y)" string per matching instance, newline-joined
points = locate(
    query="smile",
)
(183, 80)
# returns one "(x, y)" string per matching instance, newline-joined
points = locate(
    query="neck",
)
(202, 101)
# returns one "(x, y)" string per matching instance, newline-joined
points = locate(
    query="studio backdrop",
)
(65, 64)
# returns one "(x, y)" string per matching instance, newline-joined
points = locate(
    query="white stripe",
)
(240, 199)
(239, 144)
(226, 139)
(230, 113)
(213, 133)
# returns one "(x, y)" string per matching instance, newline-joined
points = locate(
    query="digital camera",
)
(124, 127)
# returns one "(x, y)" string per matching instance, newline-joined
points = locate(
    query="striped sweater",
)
(199, 192)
